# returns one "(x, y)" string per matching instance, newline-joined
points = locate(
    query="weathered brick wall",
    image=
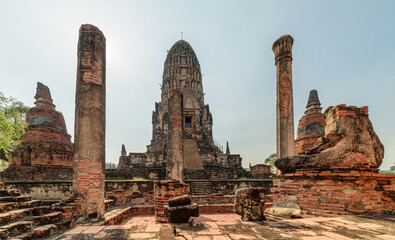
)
(43, 190)
(37, 173)
(136, 192)
(334, 192)
(229, 187)
(261, 171)
(163, 191)
(153, 173)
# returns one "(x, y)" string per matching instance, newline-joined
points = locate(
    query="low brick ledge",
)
(117, 216)
(203, 208)
(338, 175)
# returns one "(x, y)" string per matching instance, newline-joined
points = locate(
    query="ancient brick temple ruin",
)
(46, 151)
(311, 125)
(202, 157)
(336, 170)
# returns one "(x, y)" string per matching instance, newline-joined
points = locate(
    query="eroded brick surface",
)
(46, 151)
(89, 132)
(282, 49)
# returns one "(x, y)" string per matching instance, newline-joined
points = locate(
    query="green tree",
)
(12, 125)
(110, 165)
(392, 168)
(270, 161)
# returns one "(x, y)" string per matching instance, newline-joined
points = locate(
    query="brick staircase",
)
(21, 217)
(201, 187)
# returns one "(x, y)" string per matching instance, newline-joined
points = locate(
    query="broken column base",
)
(163, 191)
(337, 191)
(181, 209)
(249, 203)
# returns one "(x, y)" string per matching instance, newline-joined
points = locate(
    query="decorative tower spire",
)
(227, 148)
(313, 99)
(123, 153)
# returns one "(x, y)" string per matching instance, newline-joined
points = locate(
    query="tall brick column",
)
(90, 121)
(282, 49)
(175, 159)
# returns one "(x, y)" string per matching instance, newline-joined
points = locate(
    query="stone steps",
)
(16, 227)
(23, 198)
(8, 206)
(9, 192)
(10, 216)
(117, 215)
(24, 218)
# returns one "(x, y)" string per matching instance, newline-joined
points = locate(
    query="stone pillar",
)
(175, 159)
(90, 121)
(282, 49)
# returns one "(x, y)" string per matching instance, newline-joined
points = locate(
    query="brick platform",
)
(230, 227)
(353, 192)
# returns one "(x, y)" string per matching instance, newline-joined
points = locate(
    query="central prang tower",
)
(182, 72)
(202, 157)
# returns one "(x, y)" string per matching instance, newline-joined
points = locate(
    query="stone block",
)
(249, 203)
(181, 214)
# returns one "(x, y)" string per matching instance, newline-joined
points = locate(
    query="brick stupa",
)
(311, 125)
(45, 151)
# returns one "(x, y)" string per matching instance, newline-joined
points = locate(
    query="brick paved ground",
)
(230, 227)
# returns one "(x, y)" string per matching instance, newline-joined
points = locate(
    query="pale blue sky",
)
(344, 49)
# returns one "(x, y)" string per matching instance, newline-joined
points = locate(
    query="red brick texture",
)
(175, 158)
(305, 142)
(334, 192)
(163, 191)
(90, 120)
(46, 149)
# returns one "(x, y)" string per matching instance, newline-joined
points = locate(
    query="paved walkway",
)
(230, 227)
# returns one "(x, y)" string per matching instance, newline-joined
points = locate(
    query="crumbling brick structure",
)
(203, 157)
(311, 126)
(339, 174)
(261, 171)
(45, 151)
(90, 121)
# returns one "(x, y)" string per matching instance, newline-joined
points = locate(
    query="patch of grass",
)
(387, 172)
(128, 180)
(38, 181)
(388, 212)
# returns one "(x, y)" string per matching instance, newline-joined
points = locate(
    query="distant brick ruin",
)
(261, 171)
(202, 156)
(46, 151)
(336, 170)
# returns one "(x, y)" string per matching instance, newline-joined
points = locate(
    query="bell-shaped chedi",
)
(350, 143)
(45, 151)
(311, 125)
